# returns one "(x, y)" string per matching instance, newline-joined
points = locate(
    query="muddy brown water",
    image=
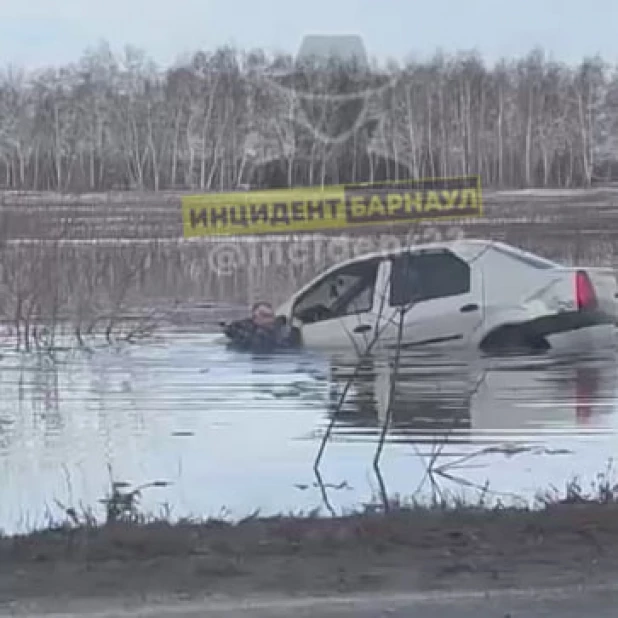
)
(230, 434)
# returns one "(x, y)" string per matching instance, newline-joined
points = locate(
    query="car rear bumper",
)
(569, 321)
(576, 331)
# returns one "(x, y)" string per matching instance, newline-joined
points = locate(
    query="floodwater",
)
(230, 433)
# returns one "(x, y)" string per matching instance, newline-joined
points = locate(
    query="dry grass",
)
(404, 550)
(128, 538)
(408, 548)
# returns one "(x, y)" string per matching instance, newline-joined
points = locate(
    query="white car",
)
(467, 294)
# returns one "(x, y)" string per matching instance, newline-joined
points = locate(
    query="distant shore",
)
(153, 217)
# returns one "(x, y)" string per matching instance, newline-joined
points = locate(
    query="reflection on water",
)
(228, 430)
(478, 400)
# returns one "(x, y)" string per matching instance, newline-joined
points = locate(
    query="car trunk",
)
(579, 298)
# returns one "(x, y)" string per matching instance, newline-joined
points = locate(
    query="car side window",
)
(348, 290)
(419, 277)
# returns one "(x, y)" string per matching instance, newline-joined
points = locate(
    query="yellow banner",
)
(311, 209)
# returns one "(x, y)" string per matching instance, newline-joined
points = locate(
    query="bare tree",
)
(109, 122)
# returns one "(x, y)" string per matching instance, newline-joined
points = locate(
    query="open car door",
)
(341, 309)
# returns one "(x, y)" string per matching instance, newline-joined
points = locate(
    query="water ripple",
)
(229, 430)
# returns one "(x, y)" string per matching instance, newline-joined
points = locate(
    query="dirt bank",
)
(403, 551)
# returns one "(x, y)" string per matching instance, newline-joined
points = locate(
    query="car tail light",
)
(584, 291)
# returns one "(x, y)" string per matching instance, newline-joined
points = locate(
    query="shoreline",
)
(408, 550)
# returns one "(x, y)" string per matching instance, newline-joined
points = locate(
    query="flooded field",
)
(230, 434)
(107, 252)
(224, 433)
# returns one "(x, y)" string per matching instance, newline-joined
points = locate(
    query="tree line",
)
(229, 119)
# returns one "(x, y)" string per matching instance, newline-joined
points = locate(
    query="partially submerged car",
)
(479, 294)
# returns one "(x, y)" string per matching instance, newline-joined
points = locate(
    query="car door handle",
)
(470, 307)
(363, 328)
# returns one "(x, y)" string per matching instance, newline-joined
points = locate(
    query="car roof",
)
(466, 248)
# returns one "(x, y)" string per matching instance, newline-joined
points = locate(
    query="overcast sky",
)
(42, 32)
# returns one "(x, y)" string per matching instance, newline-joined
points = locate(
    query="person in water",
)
(262, 332)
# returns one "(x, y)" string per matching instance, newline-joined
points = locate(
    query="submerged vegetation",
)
(48, 292)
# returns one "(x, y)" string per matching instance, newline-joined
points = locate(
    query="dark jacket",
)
(247, 336)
